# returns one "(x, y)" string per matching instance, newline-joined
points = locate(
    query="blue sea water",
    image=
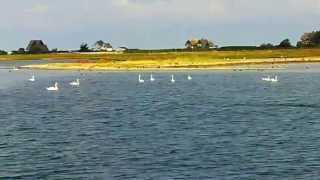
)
(220, 125)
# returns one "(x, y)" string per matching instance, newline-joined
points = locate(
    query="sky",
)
(65, 24)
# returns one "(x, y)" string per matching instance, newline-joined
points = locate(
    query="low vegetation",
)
(199, 53)
(2, 52)
(157, 56)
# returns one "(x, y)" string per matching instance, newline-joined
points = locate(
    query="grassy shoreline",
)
(170, 60)
(183, 65)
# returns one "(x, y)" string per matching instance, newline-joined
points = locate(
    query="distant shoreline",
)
(172, 61)
(255, 64)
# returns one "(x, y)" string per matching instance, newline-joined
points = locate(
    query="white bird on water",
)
(266, 78)
(75, 83)
(275, 79)
(140, 80)
(53, 88)
(269, 79)
(32, 79)
(189, 77)
(152, 78)
(172, 79)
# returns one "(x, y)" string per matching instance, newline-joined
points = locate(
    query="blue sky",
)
(65, 24)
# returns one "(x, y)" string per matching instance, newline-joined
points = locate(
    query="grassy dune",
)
(209, 59)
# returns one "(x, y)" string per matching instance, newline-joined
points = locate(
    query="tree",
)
(285, 44)
(204, 43)
(267, 46)
(309, 39)
(21, 51)
(212, 45)
(84, 47)
(2, 52)
(299, 44)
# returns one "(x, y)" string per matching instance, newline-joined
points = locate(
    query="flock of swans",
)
(152, 79)
(55, 87)
(140, 80)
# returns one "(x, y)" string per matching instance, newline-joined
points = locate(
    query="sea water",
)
(220, 125)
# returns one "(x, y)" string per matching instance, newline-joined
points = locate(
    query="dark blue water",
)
(220, 125)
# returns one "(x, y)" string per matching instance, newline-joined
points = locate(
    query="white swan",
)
(275, 79)
(32, 79)
(189, 77)
(152, 78)
(266, 78)
(140, 80)
(172, 79)
(53, 88)
(75, 83)
(269, 79)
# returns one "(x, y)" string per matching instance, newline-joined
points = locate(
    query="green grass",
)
(207, 55)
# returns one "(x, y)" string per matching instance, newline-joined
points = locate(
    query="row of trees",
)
(37, 46)
(2, 52)
(283, 44)
(307, 40)
(206, 44)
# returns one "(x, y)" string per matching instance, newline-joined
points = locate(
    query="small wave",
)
(292, 105)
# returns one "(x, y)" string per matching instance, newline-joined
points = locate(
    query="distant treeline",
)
(307, 40)
(3, 52)
(224, 48)
(164, 50)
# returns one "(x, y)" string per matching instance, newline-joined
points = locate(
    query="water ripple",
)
(222, 125)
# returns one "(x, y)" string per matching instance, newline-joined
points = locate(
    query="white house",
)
(102, 46)
(121, 49)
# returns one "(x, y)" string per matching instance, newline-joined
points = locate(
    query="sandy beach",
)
(165, 65)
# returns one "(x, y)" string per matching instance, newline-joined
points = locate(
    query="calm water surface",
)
(220, 125)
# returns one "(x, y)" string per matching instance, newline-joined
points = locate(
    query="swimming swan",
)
(172, 79)
(275, 79)
(269, 79)
(266, 78)
(75, 83)
(32, 79)
(53, 88)
(140, 80)
(189, 77)
(152, 78)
